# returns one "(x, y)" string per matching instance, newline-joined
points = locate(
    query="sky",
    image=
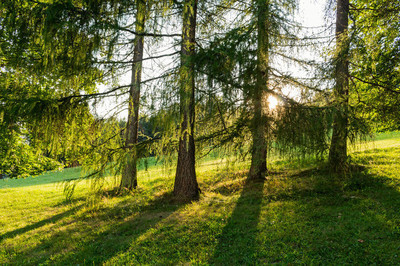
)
(312, 13)
(312, 16)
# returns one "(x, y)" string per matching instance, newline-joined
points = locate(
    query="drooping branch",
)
(376, 84)
(135, 61)
(99, 94)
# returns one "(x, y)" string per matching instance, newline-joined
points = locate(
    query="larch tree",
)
(249, 63)
(259, 92)
(129, 175)
(186, 186)
(338, 148)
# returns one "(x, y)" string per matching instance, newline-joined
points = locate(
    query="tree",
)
(129, 176)
(259, 96)
(338, 148)
(186, 187)
(246, 65)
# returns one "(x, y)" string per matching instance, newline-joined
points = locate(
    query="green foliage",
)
(18, 159)
(36, 84)
(303, 130)
(375, 67)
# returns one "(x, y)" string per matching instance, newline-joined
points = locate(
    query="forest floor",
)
(300, 214)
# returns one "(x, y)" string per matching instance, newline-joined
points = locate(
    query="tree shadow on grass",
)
(237, 242)
(314, 218)
(334, 220)
(366, 214)
(39, 224)
(98, 238)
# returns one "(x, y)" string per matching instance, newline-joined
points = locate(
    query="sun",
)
(272, 102)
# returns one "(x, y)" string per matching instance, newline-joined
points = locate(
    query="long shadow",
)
(39, 224)
(347, 221)
(122, 230)
(237, 242)
(358, 225)
(351, 219)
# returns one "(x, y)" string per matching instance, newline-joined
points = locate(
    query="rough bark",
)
(129, 175)
(338, 148)
(186, 187)
(259, 127)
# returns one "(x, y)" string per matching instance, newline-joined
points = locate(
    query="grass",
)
(59, 177)
(46, 178)
(297, 216)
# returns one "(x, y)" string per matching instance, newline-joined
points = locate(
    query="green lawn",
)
(297, 216)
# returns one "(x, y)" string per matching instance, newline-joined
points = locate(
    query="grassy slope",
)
(296, 216)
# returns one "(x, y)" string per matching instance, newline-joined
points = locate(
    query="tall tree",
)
(259, 125)
(247, 64)
(338, 148)
(186, 187)
(129, 176)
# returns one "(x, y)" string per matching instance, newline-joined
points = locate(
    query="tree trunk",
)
(259, 126)
(186, 187)
(338, 148)
(129, 175)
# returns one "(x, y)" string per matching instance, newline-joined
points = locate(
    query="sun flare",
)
(272, 102)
